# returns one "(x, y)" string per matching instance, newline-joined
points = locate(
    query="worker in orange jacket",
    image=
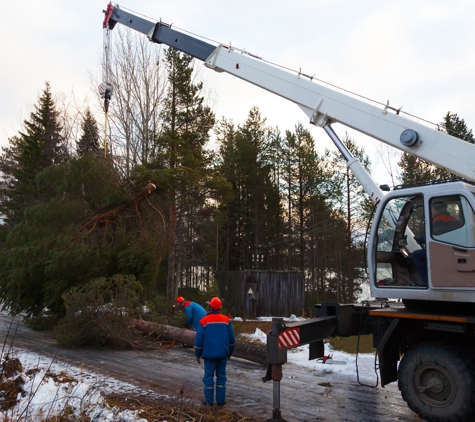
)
(214, 342)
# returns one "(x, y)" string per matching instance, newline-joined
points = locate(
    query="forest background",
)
(162, 195)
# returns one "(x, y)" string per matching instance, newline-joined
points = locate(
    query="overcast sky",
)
(417, 54)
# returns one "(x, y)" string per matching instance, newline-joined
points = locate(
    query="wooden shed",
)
(253, 293)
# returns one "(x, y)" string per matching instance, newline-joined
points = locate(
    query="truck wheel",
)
(438, 382)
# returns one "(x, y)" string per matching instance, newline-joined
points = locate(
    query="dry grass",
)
(153, 410)
(249, 327)
(349, 344)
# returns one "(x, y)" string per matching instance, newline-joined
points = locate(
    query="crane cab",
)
(422, 244)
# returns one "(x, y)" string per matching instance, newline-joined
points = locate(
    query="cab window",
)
(452, 221)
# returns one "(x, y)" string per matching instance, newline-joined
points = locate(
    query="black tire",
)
(438, 383)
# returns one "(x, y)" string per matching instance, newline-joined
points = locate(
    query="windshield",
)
(401, 216)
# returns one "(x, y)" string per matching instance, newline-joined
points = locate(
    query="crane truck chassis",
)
(423, 325)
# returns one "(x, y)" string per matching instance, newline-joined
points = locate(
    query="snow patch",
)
(362, 366)
(51, 387)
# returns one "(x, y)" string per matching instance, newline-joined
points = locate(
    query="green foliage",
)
(252, 213)
(457, 127)
(305, 177)
(57, 246)
(29, 153)
(158, 310)
(181, 165)
(89, 140)
(98, 312)
(353, 208)
(187, 123)
(415, 170)
(43, 322)
(92, 180)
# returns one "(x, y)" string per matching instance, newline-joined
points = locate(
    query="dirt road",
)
(306, 395)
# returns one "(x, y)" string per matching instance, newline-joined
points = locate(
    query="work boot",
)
(205, 403)
(208, 396)
(222, 403)
(220, 394)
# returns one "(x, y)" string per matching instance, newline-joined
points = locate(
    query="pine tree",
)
(354, 211)
(303, 170)
(29, 153)
(457, 127)
(415, 170)
(89, 141)
(253, 215)
(182, 159)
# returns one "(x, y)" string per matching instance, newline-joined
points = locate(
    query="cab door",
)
(451, 255)
(401, 221)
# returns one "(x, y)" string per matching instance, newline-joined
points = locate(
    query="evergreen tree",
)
(230, 255)
(253, 215)
(46, 199)
(324, 233)
(89, 140)
(454, 126)
(304, 174)
(39, 146)
(415, 170)
(288, 162)
(60, 244)
(181, 158)
(457, 127)
(353, 210)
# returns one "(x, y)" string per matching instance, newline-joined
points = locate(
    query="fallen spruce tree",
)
(250, 351)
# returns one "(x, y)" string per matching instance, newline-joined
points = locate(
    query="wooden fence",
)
(253, 293)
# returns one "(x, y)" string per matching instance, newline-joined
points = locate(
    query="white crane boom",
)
(323, 105)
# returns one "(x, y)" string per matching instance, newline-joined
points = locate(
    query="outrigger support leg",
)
(276, 377)
(276, 357)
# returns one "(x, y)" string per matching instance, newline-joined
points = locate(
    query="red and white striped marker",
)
(289, 338)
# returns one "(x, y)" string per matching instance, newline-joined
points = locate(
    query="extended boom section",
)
(161, 33)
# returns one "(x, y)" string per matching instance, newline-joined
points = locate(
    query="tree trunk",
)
(172, 286)
(253, 352)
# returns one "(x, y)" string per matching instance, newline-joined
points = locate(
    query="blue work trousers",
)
(215, 367)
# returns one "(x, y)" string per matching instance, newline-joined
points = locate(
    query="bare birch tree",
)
(139, 83)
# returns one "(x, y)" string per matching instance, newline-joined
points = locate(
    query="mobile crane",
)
(425, 335)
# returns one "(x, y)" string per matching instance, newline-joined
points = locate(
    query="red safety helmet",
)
(215, 303)
(180, 299)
